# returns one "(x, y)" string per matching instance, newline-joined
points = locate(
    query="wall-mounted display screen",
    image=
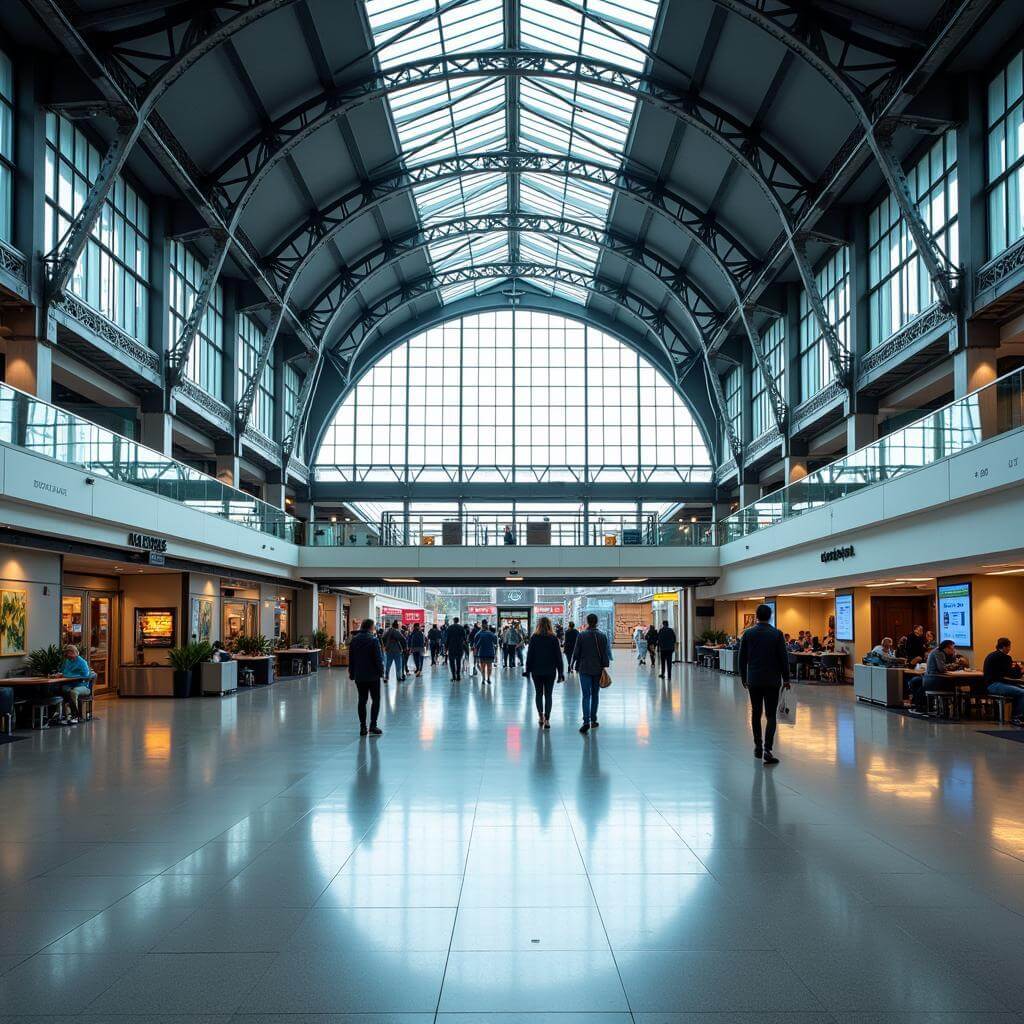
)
(771, 604)
(155, 627)
(844, 617)
(954, 612)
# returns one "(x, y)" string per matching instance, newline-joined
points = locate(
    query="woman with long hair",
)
(544, 664)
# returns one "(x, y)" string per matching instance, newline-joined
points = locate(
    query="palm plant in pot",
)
(44, 661)
(184, 660)
(252, 646)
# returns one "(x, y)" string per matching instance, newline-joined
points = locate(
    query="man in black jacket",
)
(455, 646)
(365, 668)
(666, 648)
(764, 670)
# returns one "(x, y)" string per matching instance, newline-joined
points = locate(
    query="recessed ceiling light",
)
(628, 579)
(515, 579)
(1007, 572)
(400, 579)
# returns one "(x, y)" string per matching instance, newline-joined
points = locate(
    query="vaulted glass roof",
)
(463, 116)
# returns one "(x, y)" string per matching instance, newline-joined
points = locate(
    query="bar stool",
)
(248, 676)
(42, 708)
(85, 708)
(942, 703)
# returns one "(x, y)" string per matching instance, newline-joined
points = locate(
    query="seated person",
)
(901, 647)
(998, 668)
(929, 640)
(942, 662)
(885, 650)
(816, 645)
(75, 667)
(220, 653)
(915, 647)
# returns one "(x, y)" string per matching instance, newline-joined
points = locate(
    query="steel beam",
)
(715, 385)
(243, 410)
(178, 354)
(294, 435)
(838, 356)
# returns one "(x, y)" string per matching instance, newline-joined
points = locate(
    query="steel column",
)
(244, 408)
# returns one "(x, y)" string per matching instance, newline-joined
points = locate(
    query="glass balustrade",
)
(33, 425)
(980, 416)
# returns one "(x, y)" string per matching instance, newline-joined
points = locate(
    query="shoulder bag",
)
(606, 680)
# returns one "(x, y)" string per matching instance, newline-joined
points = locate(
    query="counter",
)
(262, 666)
(727, 659)
(291, 660)
(146, 681)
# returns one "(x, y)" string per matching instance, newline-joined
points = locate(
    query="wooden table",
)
(38, 680)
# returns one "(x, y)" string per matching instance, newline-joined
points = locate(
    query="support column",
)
(273, 494)
(794, 464)
(973, 368)
(158, 432)
(306, 612)
(227, 468)
(861, 430)
(750, 491)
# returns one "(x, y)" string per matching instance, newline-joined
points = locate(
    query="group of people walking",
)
(550, 654)
(656, 642)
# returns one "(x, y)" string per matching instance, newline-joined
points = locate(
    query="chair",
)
(830, 669)
(85, 708)
(42, 709)
(942, 703)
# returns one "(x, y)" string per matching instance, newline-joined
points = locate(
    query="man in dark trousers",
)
(365, 669)
(455, 645)
(666, 648)
(764, 670)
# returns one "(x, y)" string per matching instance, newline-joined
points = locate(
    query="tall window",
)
(513, 394)
(732, 386)
(206, 357)
(773, 344)
(898, 283)
(292, 385)
(1006, 157)
(250, 341)
(833, 280)
(112, 274)
(6, 146)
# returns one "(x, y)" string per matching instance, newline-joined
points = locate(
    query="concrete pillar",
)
(29, 366)
(306, 608)
(861, 430)
(690, 622)
(227, 469)
(749, 493)
(973, 368)
(273, 494)
(158, 432)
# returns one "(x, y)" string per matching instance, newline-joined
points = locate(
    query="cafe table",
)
(262, 666)
(21, 682)
(959, 681)
(293, 657)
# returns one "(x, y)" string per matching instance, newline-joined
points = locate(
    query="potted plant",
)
(252, 646)
(711, 637)
(44, 661)
(183, 660)
(322, 641)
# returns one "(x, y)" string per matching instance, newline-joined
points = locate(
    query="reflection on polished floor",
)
(252, 859)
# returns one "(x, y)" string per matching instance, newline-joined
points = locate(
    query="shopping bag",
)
(605, 680)
(787, 707)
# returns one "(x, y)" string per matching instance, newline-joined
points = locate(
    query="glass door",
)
(98, 654)
(72, 619)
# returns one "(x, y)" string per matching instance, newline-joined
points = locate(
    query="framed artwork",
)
(201, 619)
(155, 627)
(13, 622)
(748, 620)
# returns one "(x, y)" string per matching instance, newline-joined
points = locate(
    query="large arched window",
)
(513, 395)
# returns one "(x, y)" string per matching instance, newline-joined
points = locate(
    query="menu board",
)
(954, 606)
(844, 617)
(155, 627)
(771, 604)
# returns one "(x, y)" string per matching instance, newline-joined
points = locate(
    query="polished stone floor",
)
(251, 859)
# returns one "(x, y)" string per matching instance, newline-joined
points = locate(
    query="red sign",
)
(411, 615)
(549, 609)
(390, 613)
(481, 609)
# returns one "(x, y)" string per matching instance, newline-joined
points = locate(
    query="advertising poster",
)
(844, 617)
(954, 608)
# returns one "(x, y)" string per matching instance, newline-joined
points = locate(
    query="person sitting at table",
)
(916, 652)
(901, 647)
(816, 645)
(220, 653)
(885, 650)
(998, 669)
(75, 667)
(929, 641)
(942, 662)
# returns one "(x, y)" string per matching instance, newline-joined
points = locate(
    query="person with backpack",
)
(417, 641)
(591, 655)
(365, 669)
(434, 639)
(455, 645)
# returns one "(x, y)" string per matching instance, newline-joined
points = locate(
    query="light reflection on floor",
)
(252, 855)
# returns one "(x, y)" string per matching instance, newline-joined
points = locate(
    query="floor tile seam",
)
(462, 884)
(600, 917)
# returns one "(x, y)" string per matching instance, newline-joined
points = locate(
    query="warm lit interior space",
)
(511, 511)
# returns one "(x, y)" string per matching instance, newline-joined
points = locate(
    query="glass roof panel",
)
(465, 116)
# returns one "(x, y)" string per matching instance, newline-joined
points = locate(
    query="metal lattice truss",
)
(512, 119)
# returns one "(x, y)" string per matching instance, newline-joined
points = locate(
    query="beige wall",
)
(793, 614)
(149, 590)
(38, 574)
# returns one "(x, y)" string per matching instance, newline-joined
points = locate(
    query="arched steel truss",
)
(727, 254)
(323, 403)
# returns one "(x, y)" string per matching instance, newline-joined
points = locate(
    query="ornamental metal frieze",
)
(13, 262)
(104, 329)
(725, 470)
(995, 271)
(262, 443)
(205, 401)
(819, 402)
(764, 441)
(931, 319)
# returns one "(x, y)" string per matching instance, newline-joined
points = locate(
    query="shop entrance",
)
(85, 621)
(521, 617)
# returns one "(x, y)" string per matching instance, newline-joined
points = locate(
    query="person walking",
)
(763, 666)
(652, 643)
(434, 639)
(509, 639)
(394, 646)
(365, 669)
(666, 649)
(544, 664)
(417, 641)
(473, 630)
(569, 644)
(486, 649)
(455, 645)
(640, 643)
(591, 654)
